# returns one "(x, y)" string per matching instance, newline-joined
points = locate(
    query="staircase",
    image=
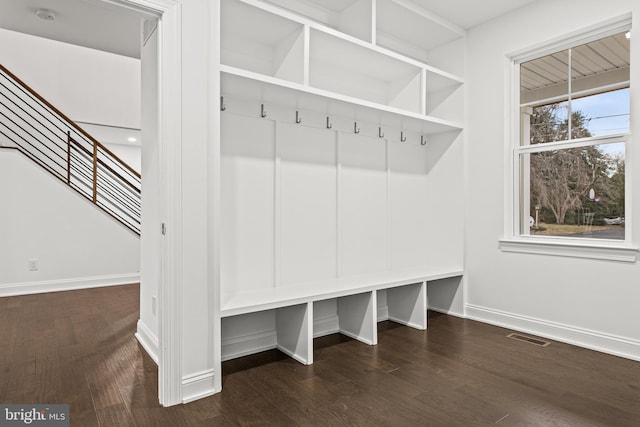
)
(38, 130)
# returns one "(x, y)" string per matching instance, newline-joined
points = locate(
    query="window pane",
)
(594, 93)
(548, 123)
(604, 113)
(544, 92)
(545, 79)
(577, 192)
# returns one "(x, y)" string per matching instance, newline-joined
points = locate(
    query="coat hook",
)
(380, 134)
(263, 113)
(423, 140)
(222, 106)
(402, 137)
(298, 119)
(356, 129)
(329, 124)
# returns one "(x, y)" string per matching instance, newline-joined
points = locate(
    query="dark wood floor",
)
(78, 348)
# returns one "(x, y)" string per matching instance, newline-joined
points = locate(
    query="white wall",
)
(593, 303)
(87, 85)
(76, 244)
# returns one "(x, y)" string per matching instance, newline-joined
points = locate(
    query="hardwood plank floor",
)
(78, 348)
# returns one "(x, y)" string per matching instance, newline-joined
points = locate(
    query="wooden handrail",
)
(68, 120)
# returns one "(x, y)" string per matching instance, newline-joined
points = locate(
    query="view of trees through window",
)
(562, 180)
(575, 104)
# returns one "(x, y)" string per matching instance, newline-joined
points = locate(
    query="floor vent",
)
(530, 340)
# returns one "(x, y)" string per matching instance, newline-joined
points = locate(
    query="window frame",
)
(514, 240)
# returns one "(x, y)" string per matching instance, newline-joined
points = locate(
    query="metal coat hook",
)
(329, 124)
(423, 140)
(402, 137)
(298, 119)
(356, 129)
(222, 106)
(380, 134)
(263, 113)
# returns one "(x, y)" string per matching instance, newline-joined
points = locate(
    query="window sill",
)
(607, 252)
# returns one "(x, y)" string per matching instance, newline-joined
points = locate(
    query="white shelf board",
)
(233, 304)
(265, 89)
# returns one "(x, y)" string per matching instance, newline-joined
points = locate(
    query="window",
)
(574, 130)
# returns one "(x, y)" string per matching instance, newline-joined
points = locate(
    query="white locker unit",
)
(341, 169)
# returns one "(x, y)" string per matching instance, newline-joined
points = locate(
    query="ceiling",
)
(89, 23)
(470, 13)
(107, 27)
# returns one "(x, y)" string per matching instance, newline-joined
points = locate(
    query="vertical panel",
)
(409, 205)
(363, 204)
(444, 218)
(308, 203)
(247, 203)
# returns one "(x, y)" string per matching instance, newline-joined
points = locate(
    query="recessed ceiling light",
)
(131, 139)
(46, 14)
(628, 34)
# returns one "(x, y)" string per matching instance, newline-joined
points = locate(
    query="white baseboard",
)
(148, 340)
(326, 325)
(245, 345)
(27, 288)
(594, 340)
(198, 385)
(447, 311)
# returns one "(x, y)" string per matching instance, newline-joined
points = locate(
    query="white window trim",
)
(601, 249)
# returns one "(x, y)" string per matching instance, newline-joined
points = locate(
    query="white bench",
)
(356, 306)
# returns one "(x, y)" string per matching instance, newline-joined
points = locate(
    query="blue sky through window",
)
(609, 114)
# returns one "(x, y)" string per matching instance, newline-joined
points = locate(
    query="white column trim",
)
(170, 379)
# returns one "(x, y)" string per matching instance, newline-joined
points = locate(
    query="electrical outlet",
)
(153, 305)
(33, 264)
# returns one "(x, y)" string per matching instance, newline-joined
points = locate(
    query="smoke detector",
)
(46, 14)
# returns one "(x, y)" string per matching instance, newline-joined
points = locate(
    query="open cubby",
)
(256, 40)
(351, 17)
(354, 70)
(407, 28)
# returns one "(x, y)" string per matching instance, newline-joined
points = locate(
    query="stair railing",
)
(40, 131)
